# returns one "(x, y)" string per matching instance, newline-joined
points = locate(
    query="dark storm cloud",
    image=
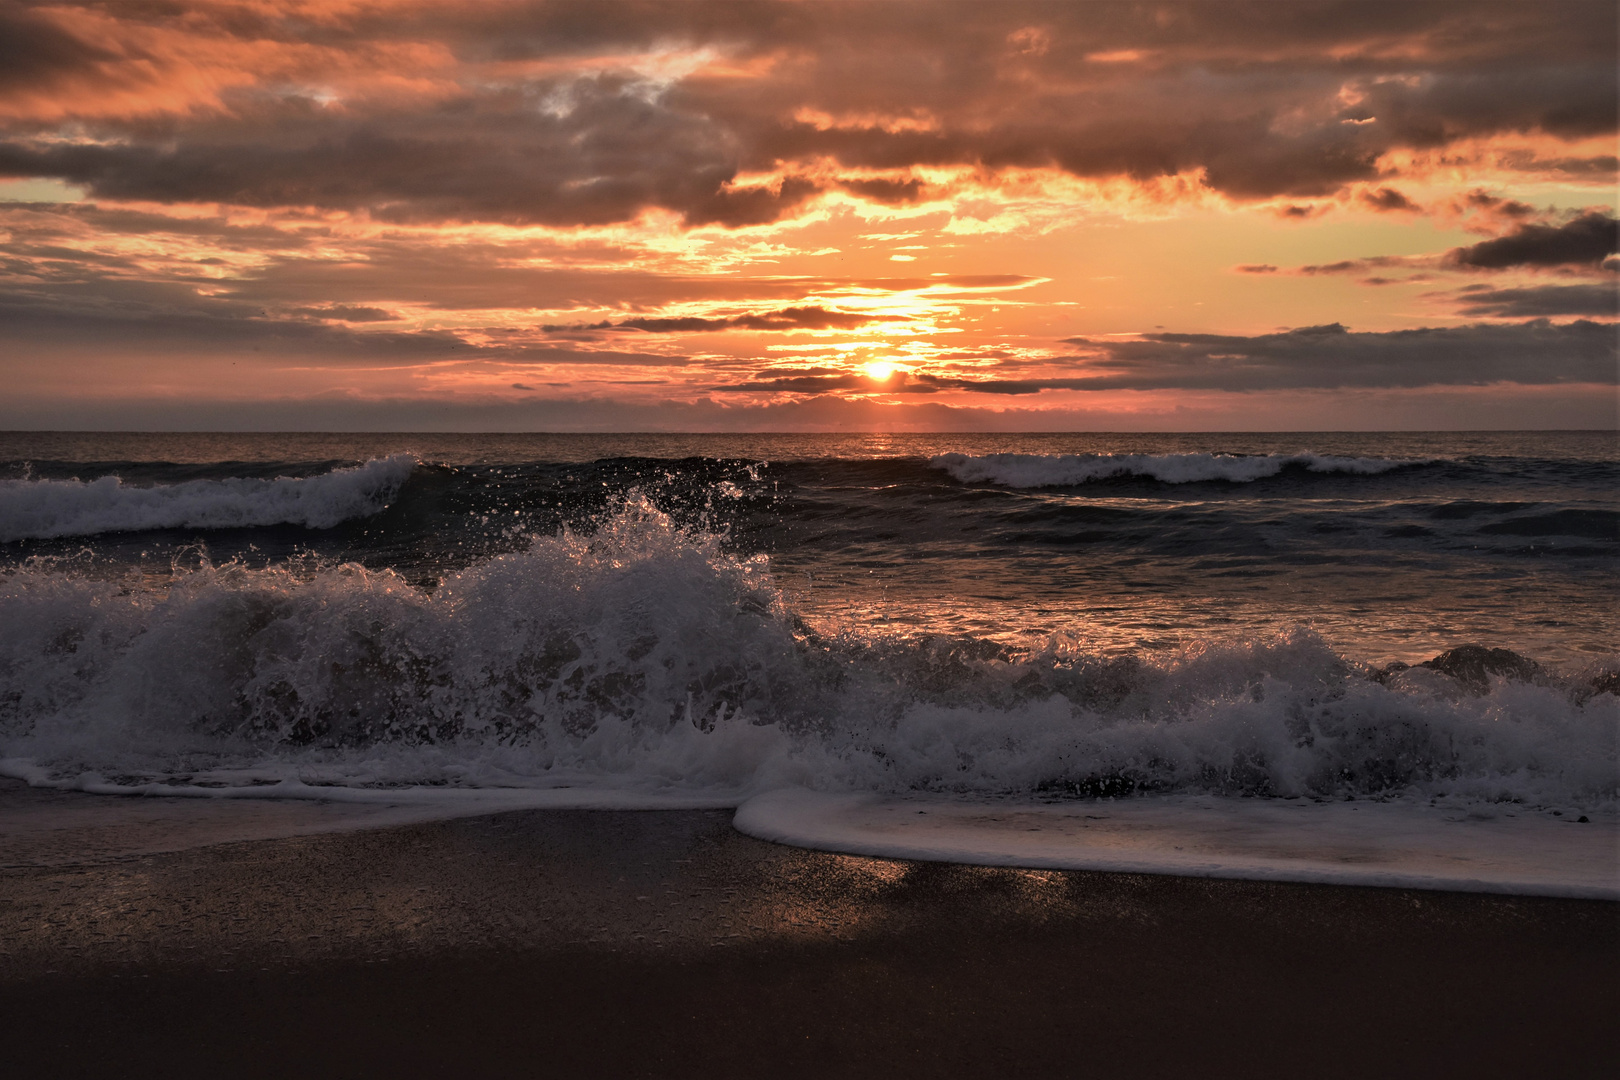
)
(793, 318)
(1541, 301)
(523, 126)
(1586, 241)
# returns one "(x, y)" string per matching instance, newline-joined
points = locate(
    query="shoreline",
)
(661, 943)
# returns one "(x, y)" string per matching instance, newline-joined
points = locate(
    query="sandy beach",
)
(664, 943)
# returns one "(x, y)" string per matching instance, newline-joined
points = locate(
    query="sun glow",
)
(879, 369)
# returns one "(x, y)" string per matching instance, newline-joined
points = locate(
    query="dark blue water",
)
(1051, 615)
(1414, 544)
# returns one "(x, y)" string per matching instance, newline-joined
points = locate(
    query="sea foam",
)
(1065, 470)
(1391, 844)
(646, 658)
(42, 509)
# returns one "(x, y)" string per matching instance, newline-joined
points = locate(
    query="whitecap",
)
(43, 509)
(1067, 470)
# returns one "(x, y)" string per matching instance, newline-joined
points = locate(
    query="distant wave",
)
(41, 509)
(1064, 470)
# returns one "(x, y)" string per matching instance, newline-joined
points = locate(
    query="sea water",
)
(1191, 625)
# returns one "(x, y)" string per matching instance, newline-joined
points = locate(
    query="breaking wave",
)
(44, 509)
(1065, 470)
(645, 657)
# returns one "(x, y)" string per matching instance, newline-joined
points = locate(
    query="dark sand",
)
(592, 943)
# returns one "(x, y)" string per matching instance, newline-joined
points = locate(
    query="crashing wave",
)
(44, 509)
(647, 657)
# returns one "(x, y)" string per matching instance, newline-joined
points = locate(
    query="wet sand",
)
(599, 943)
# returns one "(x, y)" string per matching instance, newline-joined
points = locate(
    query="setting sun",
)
(879, 369)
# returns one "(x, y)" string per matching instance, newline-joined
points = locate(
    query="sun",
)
(878, 369)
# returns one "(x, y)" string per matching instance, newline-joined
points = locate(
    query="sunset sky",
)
(825, 216)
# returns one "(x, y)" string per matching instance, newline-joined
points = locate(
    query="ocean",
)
(1038, 623)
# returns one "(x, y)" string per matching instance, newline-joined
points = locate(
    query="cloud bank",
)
(719, 210)
(737, 114)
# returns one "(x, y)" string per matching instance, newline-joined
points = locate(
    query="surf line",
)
(1389, 844)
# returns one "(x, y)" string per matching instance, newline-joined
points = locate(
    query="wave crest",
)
(46, 509)
(1067, 470)
(645, 656)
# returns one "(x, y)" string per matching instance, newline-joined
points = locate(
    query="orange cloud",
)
(570, 115)
(384, 199)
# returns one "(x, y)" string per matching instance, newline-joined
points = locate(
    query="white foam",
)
(645, 661)
(1066, 470)
(1403, 844)
(41, 509)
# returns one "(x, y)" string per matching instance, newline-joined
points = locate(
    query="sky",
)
(371, 215)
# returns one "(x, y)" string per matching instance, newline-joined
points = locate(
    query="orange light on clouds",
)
(441, 201)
